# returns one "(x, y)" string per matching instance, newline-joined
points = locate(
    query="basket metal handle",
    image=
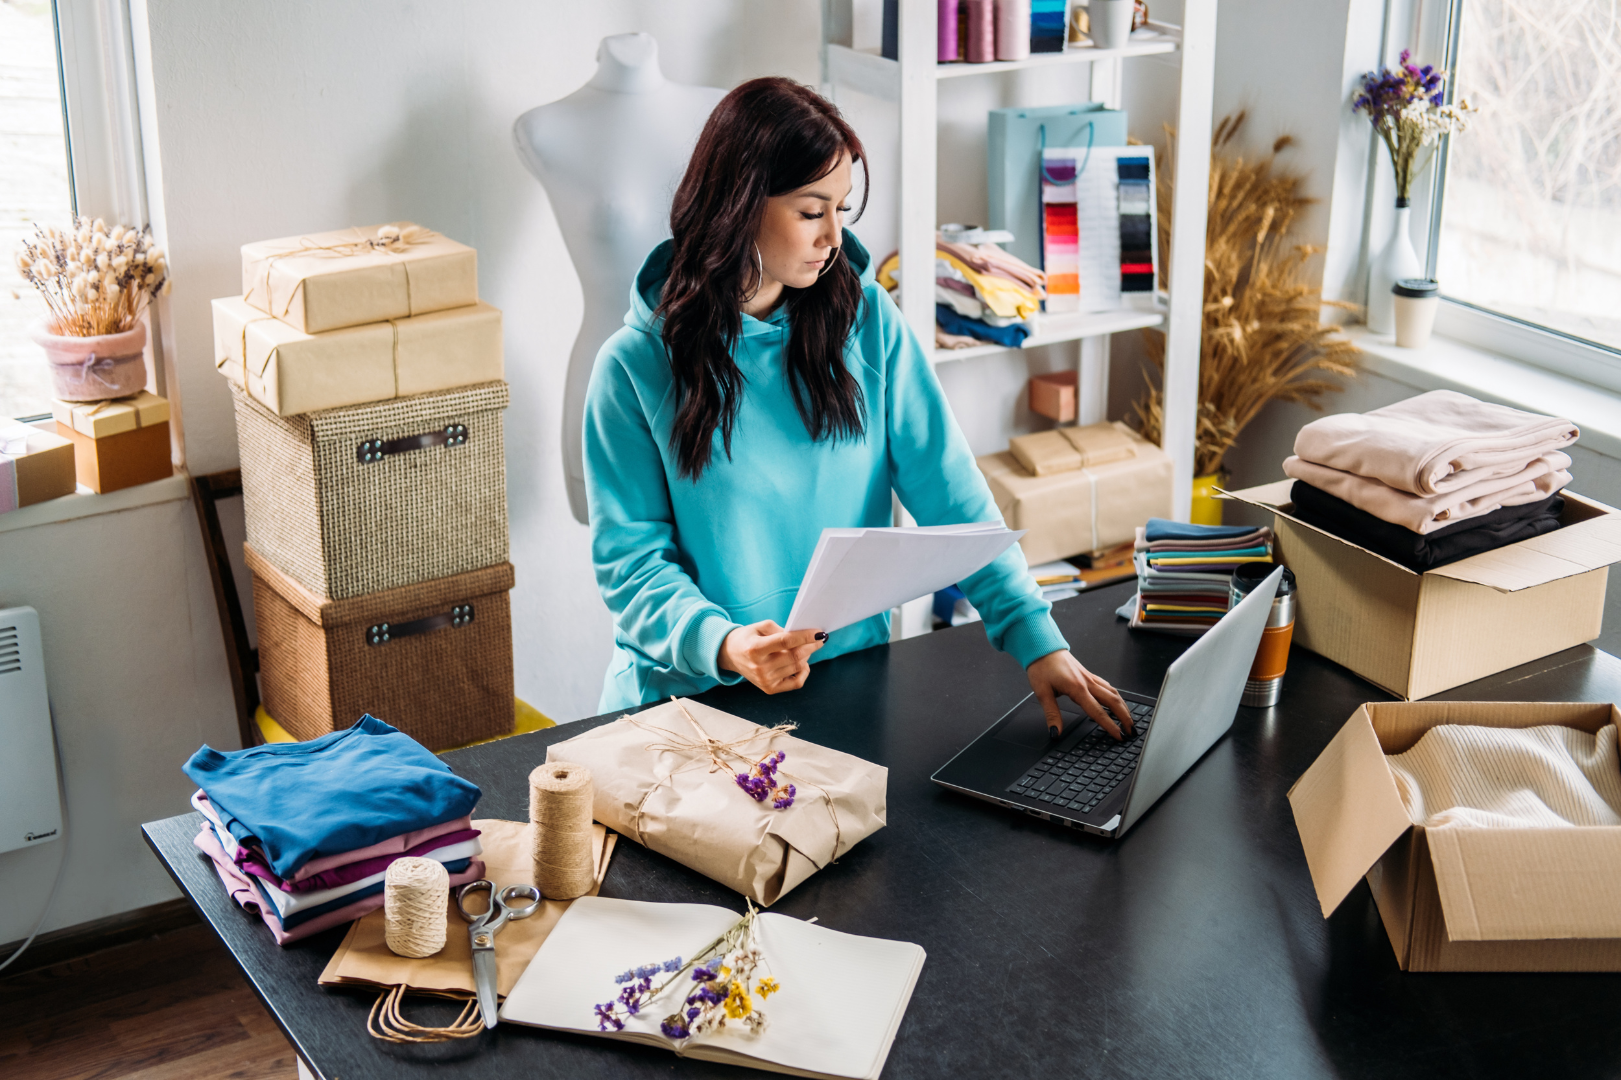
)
(383, 633)
(374, 450)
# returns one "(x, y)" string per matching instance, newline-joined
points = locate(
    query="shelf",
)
(1054, 329)
(872, 74)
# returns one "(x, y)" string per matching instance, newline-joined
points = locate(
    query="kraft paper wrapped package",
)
(35, 465)
(350, 277)
(666, 778)
(291, 373)
(1082, 509)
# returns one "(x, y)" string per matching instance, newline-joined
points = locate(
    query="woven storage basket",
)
(350, 501)
(434, 659)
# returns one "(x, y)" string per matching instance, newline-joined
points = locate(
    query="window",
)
(34, 186)
(1530, 222)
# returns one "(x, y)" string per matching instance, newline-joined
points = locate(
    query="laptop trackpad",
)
(1028, 724)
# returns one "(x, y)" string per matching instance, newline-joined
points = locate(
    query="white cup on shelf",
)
(1111, 22)
(1415, 301)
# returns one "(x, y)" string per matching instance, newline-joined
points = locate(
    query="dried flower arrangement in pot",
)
(1263, 337)
(96, 281)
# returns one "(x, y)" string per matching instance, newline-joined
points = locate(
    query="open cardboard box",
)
(1459, 899)
(1419, 634)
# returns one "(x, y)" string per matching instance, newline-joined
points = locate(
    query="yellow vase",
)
(1206, 507)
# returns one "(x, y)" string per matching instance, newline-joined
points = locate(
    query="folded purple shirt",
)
(343, 875)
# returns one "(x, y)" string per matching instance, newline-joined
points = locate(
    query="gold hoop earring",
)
(831, 259)
(759, 274)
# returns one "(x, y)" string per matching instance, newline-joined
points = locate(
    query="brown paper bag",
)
(364, 960)
(666, 779)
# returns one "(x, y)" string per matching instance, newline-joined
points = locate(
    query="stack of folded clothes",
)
(1183, 572)
(1433, 479)
(981, 293)
(301, 834)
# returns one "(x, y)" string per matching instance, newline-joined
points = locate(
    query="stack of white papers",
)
(856, 573)
(841, 1001)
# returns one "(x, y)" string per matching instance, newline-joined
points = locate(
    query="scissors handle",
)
(512, 894)
(503, 904)
(481, 885)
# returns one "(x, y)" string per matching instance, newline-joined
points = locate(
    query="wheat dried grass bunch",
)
(1263, 337)
(95, 279)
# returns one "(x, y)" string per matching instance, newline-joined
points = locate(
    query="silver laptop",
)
(1086, 779)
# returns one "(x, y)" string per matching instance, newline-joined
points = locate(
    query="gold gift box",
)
(99, 419)
(1084, 509)
(291, 372)
(351, 277)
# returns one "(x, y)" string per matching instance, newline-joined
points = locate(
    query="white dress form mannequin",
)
(610, 156)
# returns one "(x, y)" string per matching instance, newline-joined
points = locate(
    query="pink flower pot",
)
(95, 368)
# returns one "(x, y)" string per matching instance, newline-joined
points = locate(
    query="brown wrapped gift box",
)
(431, 501)
(432, 659)
(46, 470)
(1081, 510)
(657, 784)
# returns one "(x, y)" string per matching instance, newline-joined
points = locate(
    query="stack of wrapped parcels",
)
(301, 834)
(751, 807)
(1078, 490)
(367, 381)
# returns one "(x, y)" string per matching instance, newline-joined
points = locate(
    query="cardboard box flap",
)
(1347, 810)
(1268, 496)
(1576, 548)
(1528, 884)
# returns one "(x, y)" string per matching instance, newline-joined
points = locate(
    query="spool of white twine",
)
(416, 901)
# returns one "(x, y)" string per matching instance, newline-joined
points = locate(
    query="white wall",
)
(136, 672)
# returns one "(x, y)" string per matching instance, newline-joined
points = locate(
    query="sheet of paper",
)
(841, 1002)
(856, 573)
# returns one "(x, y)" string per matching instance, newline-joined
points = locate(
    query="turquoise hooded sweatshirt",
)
(682, 563)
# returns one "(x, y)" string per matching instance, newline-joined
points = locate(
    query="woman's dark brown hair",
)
(767, 137)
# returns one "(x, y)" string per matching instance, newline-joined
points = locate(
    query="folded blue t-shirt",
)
(350, 789)
(1162, 529)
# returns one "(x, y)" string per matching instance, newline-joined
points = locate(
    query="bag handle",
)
(373, 450)
(383, 633)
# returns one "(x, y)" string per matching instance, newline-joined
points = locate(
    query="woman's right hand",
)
(770, 657)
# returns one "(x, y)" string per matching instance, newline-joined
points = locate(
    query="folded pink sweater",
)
(1433, 444)
(1426, 513)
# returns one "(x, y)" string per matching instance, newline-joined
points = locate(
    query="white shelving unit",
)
(912, 82)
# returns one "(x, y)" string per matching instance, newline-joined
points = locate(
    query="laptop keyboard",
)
(1081, 777)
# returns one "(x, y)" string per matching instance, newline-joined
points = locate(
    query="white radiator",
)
(30, 808)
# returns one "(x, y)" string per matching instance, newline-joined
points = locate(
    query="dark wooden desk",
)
(1192, 948)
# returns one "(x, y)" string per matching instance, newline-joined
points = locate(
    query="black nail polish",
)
(820, 636)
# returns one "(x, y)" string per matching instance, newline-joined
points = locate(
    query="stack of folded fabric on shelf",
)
(367, 380)
(1183, 573)
(302, 834)
(1433, 479)
(981, 293)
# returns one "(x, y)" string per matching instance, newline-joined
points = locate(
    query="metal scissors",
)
(481, 933)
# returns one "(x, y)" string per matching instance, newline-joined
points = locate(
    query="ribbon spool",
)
(416, 901)
(560, 823)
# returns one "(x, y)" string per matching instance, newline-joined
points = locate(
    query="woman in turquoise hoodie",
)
(763, 388)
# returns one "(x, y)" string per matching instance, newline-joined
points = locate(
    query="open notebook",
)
(841, 1001)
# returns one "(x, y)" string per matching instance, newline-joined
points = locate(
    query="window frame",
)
(1437, 25)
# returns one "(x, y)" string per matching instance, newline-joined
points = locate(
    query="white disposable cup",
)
(1414, 305)
(1110, 21)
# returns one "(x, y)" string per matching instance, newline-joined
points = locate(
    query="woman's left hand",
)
(1060, 673)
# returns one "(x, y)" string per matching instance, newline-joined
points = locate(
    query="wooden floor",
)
(171, 1007)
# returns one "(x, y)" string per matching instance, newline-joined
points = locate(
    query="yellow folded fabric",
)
(1004, 297)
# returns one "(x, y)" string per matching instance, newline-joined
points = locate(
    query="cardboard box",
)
(1459, 899)
(35, 465)
(351, 277)
(1082, 510)
(1054, 395)
(1419, 634)
(138, 456)
(292, 373)
(99, 419)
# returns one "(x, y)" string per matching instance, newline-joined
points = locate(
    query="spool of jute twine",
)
(560, 816)
(416, 898)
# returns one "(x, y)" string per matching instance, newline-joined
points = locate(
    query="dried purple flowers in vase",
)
(1407, 107)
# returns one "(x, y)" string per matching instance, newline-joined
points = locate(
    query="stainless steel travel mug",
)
(1265, 684)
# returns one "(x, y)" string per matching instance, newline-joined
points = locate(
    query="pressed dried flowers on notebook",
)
(720, 978)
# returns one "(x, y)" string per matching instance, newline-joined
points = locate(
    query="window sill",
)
(86, 503)
(1448, 364)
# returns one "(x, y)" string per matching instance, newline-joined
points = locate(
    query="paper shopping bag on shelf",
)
(673, 778)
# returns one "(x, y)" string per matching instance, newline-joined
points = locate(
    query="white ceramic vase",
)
(1396, 260)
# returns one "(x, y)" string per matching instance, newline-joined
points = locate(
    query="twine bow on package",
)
(709, 790)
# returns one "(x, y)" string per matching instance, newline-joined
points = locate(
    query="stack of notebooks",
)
(1184, 571)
